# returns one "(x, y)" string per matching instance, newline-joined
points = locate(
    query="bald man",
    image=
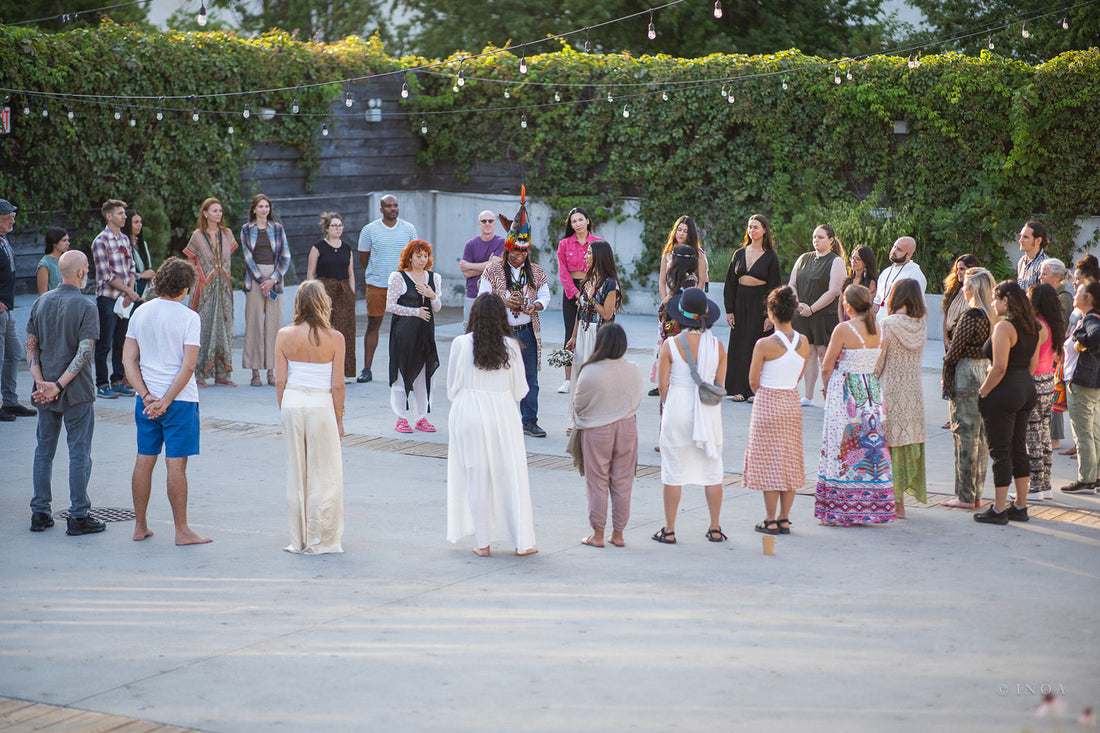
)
(61, 334)
(479, 252)
(902, 267)
(380, 245)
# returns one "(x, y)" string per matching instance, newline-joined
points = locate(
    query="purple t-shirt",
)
(478, 250)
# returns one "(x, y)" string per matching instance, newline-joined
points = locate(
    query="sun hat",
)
(693, 309)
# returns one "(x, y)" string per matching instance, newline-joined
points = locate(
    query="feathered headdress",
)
(519, 229)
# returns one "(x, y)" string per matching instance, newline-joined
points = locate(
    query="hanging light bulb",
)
(202, 14)
(523, 64)
(405, 89)
(836, 77)
(27, 108)
(455, 88)
(664, 96)
(424, 126)
(348, 101)
(523, 122)
(70, 113)
(160, 114)
(609, 97)
(651, 33)
(195, 114)
(1065, 24)
(507, 93)
(133, 119)
(295, 106)
(848, 75)
(1024, 31)
(324, 129)
(557, 96)
(991, 43)
(724, 91)
(626, 111)
(45, 111)
(461, 78)
(247, 112)
(785, 84)
(587, 45)
(717, 9)
(730, 98)
(118, 113)
(230, 128)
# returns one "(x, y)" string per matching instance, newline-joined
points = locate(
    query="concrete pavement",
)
(935, 622)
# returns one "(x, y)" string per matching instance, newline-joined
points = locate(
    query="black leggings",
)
(569, 311)
(1005, 412)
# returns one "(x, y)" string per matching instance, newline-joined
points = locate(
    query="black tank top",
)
(1019, 356)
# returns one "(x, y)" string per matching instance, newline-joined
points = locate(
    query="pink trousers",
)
(610, 457)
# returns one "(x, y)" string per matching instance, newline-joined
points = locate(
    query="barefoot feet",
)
(190, 537)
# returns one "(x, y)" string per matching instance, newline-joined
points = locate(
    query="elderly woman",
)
(606, 394)
(964, 368)
(1053, 272)
(266, 259)
(816, 279)
(904, 334)
(413, 299)
(308, 385)
(691, 432)
(488, 492)
(209, 250)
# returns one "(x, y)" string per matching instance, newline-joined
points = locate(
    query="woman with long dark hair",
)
(954, 304)
(606, 395)
(854, 481)
(600, 296)
(752, 274)
(1052, 335)
(413, 299)
(310, 390)
(266, 260)
(48, 274)
(816, 279)
(862, 270)
(683, 233)
(572, 268)
(1006, 399)
(488, 492)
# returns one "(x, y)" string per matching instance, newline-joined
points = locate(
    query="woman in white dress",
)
(309, 385)
(488, 494)
(691, 432)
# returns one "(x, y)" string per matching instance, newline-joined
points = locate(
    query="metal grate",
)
(105, 514)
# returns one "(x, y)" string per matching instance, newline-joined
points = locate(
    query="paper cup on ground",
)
(769, 544)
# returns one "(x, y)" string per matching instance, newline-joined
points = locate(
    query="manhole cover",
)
(105, 514)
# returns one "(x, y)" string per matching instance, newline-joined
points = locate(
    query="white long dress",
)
(691, 432)
(488, 494)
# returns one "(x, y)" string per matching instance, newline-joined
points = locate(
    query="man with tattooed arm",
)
(61, 336)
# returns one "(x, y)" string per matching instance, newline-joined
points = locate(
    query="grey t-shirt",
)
(60, 320)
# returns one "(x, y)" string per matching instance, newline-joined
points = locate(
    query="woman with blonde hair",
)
(964, 369)
(209, 250)
(331, 263)
(413, 299)
(854, 482)
(816, 279)
(310, 390)
(266, 259)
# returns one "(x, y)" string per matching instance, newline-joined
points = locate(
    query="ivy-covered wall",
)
(988, 142)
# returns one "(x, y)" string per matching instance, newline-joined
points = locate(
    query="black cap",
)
(6, 208)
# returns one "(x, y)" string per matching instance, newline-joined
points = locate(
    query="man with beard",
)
(902, 267)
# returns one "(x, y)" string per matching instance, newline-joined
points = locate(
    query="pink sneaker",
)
(424, 425)
(403, 426)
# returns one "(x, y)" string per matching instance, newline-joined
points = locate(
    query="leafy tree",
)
(1002, 22)
(830, 28)
(323, 20)
(20, 11)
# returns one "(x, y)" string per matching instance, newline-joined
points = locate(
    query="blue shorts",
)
(177, 430)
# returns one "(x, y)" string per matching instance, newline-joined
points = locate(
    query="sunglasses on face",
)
(486, 221)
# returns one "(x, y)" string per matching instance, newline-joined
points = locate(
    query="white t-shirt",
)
(890, 277)
(162, 328)
(384, 244)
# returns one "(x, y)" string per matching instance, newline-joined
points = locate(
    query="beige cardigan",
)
(605, 392)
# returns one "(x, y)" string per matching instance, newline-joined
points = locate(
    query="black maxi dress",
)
(748, 304)
(412, 340)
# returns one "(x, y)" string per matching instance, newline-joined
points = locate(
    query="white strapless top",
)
(309, 375)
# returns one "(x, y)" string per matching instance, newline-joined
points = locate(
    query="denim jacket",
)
(1087, 333)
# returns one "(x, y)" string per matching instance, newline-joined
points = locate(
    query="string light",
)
(455, 88)
(324, 129)
(1065, 23)
(133, 119)
(405, 89)
(348, 101)
(664, 96)
(247, 112)
(195, 114)
(609, 97)
(848, 74)
(557, 96)
(230, 128)
(45, 111)
(70, 114)
(26, 108)
(295, 107)
(724, 92)
(507, 93)
(423, 125)
(202, 14)
(626, 111)
(461, 78)
(160, 114)
(587, 45)
(523, 64)
(651, 34)
(836, 77)
(991, 43)
(523, 121)
(118, 113)
(729, 97)
(785, 86)
(1024, 31)
(718, 9)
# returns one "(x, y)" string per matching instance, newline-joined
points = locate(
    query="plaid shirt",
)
(113, 261)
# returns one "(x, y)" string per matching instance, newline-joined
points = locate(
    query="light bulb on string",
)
(507, 93)
(195, 114)
(404, 90)
(717, 9)
(651, 32)
(724, 92)
(587, 45)
(348, 101)
(294, 107)
(1065, 24)
(424, 126)
(160, 114)
(626, 111)
(848, 74)
(557, 96)
(991, 46)
(133, 119)
(785, 85)
(523, 64)
(523, 122)
(1024, 31)
(118, 113)
(609, 97)
(247, 112)
(461, 78)
(45, 111)
(455, 88)
(26, 108)
(729, 97)
(230, 128)
(202, 14)
(324, 129)
(71, 114)
(664, 96)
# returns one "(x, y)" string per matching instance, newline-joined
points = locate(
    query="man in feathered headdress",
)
(524, 288)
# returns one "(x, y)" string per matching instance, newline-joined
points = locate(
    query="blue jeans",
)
(107, 324)
(11, 353)
(79, 424)
(529, 405)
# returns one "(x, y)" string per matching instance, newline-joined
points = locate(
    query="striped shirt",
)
(113, 261)
(385, 245)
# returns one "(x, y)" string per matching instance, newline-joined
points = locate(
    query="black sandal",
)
(667, 538)
(765, 527)
(715, 535)
(782, 529)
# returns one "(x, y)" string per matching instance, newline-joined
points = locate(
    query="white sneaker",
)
(1048, 494)
(564, 388)
(1034, 496)
(807, 402)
